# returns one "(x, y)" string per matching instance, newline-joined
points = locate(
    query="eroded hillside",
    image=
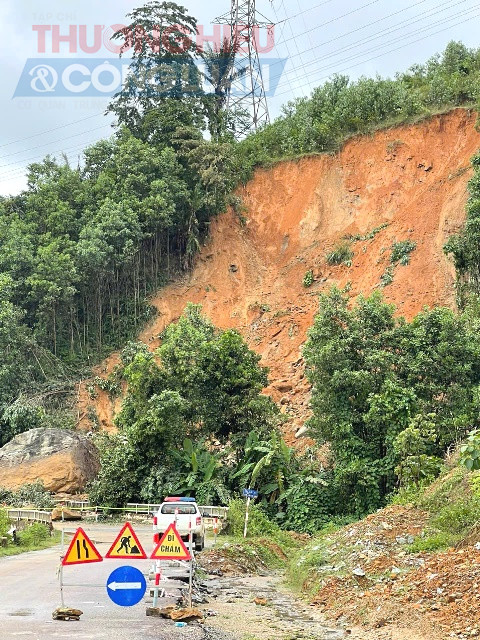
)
(404, 183)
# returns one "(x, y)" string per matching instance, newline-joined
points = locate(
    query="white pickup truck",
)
(186, 513)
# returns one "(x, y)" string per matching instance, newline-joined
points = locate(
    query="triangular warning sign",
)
(126, 545)
(171, 546)
(81, 550)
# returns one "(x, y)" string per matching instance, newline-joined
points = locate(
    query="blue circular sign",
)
(126, 586)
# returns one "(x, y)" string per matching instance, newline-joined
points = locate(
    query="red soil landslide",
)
(249, 277)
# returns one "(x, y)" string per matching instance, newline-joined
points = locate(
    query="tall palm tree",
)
(220, 73)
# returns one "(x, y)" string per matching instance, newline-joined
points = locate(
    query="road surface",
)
(29, 592)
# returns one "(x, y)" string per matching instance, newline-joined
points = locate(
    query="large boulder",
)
(65, 461)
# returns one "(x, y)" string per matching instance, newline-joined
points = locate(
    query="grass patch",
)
(28, 544)
(265, 541)
(453, 502)
(316, 560)
(435, 541)
(342, 254)
(367, 236)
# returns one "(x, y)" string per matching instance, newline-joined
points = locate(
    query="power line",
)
(388, 32)
(295, 40)
(10, 155)
(366, 26)
(68, 124)
(277, 45)
(344, 15)
(317, 6)
(21, 170)
(407, 44)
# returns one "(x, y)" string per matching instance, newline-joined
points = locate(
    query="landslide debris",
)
(402, 185)
(380, 572)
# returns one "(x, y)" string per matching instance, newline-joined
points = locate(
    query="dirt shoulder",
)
(361, 581)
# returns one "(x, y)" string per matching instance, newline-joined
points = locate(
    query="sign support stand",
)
(156, 588)
(246, 517)
(62, 555)
(190, 577)
(249, 494)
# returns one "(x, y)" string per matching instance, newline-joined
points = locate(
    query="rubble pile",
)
(378, 582)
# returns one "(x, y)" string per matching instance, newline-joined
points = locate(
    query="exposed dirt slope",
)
(412, 177)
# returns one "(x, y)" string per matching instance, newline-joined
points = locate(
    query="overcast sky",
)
(318, 38)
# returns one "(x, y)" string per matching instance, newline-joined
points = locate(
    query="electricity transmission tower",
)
(247, 100)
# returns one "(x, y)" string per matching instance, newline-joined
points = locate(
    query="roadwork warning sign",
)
(126, 545)
(81, 550)
(171, 546)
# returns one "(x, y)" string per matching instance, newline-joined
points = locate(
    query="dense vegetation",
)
(194, 421)
(341, 108)
(82, 248)
(390, 396)
(465, 247)
(34, 536)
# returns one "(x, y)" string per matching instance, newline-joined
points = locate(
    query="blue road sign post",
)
(126, 586)
(248, 494)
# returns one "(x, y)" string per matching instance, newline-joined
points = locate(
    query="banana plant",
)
(198, 463)
(273, 456)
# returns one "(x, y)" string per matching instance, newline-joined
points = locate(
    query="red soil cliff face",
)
(249, 277)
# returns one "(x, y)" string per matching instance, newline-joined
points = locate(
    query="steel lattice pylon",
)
(246, 90)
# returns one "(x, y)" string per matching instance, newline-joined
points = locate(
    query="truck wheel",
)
(199, 544)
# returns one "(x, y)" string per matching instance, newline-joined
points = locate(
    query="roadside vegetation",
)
(194, 421)
(33, 538)
(28, 495)
(83, 247)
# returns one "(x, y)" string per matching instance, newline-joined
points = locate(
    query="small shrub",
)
(34, 495)
(4, 523)
(409, 494)
(259, 525)
(387, 277)
(437, 541)
(308, 279)
(34, 535)
(470, 452)
(5, 496)
(401, 252)
(110, 385)
(342, 254)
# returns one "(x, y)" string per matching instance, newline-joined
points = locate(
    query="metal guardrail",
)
(30, 515)
(208, 511)
(214, 512)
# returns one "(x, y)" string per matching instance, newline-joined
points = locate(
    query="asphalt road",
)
(29, 592)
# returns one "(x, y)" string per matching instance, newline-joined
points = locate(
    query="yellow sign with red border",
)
(171, 546)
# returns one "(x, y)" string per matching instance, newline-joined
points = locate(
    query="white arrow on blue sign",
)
(126, 586)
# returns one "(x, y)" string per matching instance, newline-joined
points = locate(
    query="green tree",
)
(161, 36)
(203, 388)
(373, 374)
